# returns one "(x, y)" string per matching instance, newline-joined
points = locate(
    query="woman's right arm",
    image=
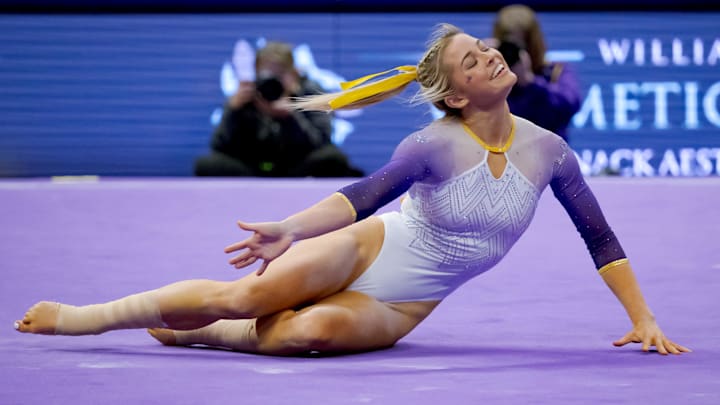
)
(269, 240)
(356, 201)
(348, 205)
(333, 212)
(359, 200)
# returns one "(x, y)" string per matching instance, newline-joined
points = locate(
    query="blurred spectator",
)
(260, 135)
(547, 93)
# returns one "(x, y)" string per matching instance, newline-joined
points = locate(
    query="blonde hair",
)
(432, 75)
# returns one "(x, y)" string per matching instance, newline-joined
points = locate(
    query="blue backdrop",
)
(341, 5)
(135, 94)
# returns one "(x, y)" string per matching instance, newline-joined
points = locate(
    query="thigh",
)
(313, 269)
(345, 322)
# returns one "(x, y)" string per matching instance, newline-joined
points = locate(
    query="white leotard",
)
(449, 231)
(448, 234)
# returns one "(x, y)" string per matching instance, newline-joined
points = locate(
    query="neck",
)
(491, 126)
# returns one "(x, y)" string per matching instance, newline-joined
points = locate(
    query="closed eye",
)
(482, 47)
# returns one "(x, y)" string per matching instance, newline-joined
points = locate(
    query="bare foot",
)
(164, 336)
(41, 318)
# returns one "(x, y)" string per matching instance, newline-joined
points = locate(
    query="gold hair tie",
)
(353, 93)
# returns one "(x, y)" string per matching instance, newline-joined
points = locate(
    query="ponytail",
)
(358, 94)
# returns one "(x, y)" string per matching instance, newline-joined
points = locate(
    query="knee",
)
(310, 331)
(318, 331)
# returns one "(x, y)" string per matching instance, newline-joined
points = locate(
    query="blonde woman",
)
(358, 282)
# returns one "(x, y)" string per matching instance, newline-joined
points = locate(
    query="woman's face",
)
(478, 73)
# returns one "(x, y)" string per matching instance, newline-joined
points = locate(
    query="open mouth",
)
(498, 69)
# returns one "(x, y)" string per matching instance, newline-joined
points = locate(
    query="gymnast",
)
(357, 282)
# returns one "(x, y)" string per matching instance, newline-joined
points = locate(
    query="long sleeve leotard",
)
(458, 219)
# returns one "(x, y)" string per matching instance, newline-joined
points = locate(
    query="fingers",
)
(662, 344)
(675, 348)
(246, 226)
(681, 348)
(262, 268)
(624, 340)
(665, 346)
(236, 246)
(242, 244)
(241, 257)
(646, 343)
(245, 258)
(244, 263)
(669, 347)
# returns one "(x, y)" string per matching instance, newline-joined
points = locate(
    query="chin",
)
(512, 77)
(509, 82)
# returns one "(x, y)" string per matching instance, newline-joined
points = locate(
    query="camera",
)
(510, 52)
(269, 87)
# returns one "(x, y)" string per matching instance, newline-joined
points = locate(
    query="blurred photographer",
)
(260, 135)
(546, 93)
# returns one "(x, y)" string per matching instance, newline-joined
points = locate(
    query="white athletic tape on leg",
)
(134, 311)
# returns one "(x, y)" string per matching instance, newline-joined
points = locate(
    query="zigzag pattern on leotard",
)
(472, 220)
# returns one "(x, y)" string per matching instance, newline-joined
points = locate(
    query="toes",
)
(162, 335)
(40, 318)
(22, 326)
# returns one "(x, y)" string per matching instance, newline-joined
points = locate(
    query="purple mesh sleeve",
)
(578, 200)
(383, 186)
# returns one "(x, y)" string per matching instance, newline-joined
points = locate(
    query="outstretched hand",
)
(649, 334)
(268, 241)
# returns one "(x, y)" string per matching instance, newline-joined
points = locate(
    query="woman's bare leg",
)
(345, 322)
(307, 272)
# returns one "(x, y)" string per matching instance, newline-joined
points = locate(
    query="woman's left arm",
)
(575, 195)
(621, 280)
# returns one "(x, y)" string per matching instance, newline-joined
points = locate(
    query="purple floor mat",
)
(536, 329)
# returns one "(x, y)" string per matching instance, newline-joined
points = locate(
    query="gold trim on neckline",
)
(494, 149)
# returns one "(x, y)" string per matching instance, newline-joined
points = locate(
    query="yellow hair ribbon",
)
(354, 93)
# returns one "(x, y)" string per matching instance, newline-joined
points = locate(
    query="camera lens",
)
(270, 88)
(510, 52)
